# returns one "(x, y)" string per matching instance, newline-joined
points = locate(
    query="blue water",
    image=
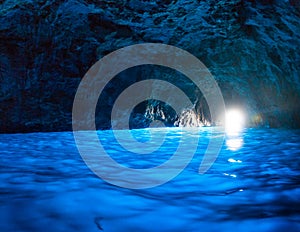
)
(254, 185)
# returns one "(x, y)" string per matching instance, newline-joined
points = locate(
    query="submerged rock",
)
(251, 47)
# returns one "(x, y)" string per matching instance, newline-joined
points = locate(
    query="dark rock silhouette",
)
(251, 47)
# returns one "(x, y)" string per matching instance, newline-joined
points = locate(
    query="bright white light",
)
(234, 144)
(234, 121)
(234, 161)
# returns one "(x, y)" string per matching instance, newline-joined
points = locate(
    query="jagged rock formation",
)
(250, 46)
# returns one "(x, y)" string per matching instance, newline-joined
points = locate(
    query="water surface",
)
(254, 185)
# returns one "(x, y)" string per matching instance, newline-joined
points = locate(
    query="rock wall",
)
(250, 46)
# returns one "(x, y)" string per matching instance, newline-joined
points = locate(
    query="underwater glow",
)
(235, 121)
(47, 187)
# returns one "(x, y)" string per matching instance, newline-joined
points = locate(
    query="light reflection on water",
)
(45, 186)
(234, 143)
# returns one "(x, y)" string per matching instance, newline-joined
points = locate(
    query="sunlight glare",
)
(234, 121)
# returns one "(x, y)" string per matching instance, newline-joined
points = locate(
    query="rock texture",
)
(250, 46)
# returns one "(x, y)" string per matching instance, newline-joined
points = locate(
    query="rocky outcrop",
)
(250, 46)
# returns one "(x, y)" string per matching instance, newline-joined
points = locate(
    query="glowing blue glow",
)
(47, 186)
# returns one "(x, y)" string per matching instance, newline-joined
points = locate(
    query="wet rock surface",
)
(251, 48)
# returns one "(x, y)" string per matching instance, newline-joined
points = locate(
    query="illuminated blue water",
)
(254, 185)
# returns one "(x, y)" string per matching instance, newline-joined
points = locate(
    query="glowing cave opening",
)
(234, 121)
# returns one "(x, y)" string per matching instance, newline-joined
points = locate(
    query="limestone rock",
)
(250, 46)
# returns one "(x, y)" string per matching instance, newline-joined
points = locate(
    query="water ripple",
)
(46, 186)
